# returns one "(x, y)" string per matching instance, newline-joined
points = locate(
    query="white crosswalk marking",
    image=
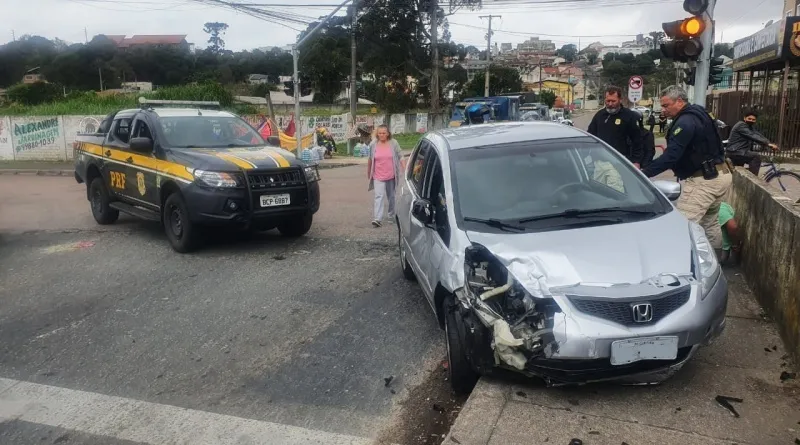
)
(153, 423)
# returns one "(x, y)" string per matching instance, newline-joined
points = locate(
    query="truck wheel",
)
(462, 377)
(99, 199)
(181, 233)
(297, 226)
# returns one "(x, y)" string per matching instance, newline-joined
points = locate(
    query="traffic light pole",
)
(298, 133)
(704, 63)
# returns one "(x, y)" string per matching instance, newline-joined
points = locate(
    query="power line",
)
(543, 34)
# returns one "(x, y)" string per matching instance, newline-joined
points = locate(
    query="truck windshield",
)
(209, 132)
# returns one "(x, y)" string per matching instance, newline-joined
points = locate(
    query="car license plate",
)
(275, 200)
(649, 348)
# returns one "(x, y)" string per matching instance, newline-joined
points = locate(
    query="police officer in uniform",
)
(695, 153)
(618, 126)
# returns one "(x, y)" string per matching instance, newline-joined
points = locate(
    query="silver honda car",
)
(543, 251)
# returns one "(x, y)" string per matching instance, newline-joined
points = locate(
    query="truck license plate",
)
(648, 348)
(275, 200)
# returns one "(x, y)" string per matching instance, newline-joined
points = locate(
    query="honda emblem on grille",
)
(271, 180)
(642, 313)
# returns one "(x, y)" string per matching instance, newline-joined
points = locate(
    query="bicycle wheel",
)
(786, 181)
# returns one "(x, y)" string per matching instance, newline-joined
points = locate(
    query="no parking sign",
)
(635, 88)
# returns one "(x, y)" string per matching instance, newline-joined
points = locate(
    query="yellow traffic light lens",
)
(693, 27)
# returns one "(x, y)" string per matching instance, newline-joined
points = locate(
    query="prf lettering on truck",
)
(118, 180)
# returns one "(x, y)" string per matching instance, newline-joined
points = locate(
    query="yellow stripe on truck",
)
(239, 162)
(166, 167)
(282, 162)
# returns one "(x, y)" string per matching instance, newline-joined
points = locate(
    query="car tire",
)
(100, 200)
(181, 233)
(462, 376)
(297, 226)
(408, 272)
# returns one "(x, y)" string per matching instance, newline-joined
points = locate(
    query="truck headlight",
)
(216, 179)
(312, 174)
(708, 269)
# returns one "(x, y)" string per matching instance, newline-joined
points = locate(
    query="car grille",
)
(260, 180)
(622, 311)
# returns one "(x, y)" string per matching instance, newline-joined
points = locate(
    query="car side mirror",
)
(275, 141)
(670, 189)
(422, 210)
(141, 145)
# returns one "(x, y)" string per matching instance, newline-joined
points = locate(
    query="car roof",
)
(482, 135)
(177, 112)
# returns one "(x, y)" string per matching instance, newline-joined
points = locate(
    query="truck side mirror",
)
(141, 145)
(274, 141)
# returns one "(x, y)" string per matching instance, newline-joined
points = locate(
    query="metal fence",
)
(775, 95)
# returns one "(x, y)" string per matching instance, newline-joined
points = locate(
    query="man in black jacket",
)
(694, 152)
(740, 143)
(618, 126)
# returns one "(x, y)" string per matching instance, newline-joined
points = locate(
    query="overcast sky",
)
(567, 21)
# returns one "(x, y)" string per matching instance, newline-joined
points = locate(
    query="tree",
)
(568, 52)
(723, 49)
(548, 98)
(655, 38)
(591, 57)
(591, 97)
(325, 59)
(502, 80)
(214, 29)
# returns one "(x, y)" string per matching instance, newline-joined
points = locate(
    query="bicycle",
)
(773, 172)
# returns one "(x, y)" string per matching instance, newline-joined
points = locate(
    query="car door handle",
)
(129, 160)
(108, 152)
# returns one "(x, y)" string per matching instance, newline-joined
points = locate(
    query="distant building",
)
(791, 8)
(137, 86)
(256, 79)
(32, 78)
(536, 46)
(634, 50)
(268, 49)
(506, 47)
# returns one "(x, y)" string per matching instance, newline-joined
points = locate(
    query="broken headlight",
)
(505, 305)
(707, 270)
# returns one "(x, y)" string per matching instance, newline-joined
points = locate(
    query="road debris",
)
(788, 376)
(575, 442)
(279, 257)
(724, 401)
(388, 380)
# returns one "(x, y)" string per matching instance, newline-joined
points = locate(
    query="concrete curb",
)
(35, 172)
(476, 422)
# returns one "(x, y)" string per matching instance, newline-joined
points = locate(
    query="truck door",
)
(143, 168)
(115, 171)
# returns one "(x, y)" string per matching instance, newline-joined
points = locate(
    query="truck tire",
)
(181, 233)
(462, 377)
(99, 200)
(297, 226)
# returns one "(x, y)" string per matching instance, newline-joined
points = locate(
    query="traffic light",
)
(689, 76)
(288, 88)
(684, 44)
(715, 71)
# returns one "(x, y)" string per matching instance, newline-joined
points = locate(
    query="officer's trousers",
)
(700, 200)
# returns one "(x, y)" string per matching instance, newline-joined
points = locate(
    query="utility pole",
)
(296, 76)
(488, 52)
(353, 70)
(434, 13)
(100, 72)
(540, 79)
(704, 63)
(85, 35)
(13, 36)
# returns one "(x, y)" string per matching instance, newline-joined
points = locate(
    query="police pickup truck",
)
(191, 166)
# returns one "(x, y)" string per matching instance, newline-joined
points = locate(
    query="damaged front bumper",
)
(566, 337)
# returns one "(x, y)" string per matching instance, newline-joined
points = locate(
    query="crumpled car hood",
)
(629, 253)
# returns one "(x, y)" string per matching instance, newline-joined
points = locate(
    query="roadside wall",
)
(771, 253)
(50, 138)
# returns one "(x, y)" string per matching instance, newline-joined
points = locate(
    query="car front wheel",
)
(408, 272)
(462, 376)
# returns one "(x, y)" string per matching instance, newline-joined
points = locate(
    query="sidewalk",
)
(66, 168)
(746, 362)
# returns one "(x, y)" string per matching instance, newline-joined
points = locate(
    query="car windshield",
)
(209, 132)
(549, 183)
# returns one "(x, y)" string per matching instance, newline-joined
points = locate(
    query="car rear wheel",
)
(181, 233)
(408, 272)
(462, 377)
(297, 226)
(99, 199)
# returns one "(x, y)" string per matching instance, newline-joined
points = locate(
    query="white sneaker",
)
(376, 223)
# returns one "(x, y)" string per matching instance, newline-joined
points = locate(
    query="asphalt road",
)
(108, 336)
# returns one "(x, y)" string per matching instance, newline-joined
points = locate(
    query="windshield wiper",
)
(496, 223)
(575, 213)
